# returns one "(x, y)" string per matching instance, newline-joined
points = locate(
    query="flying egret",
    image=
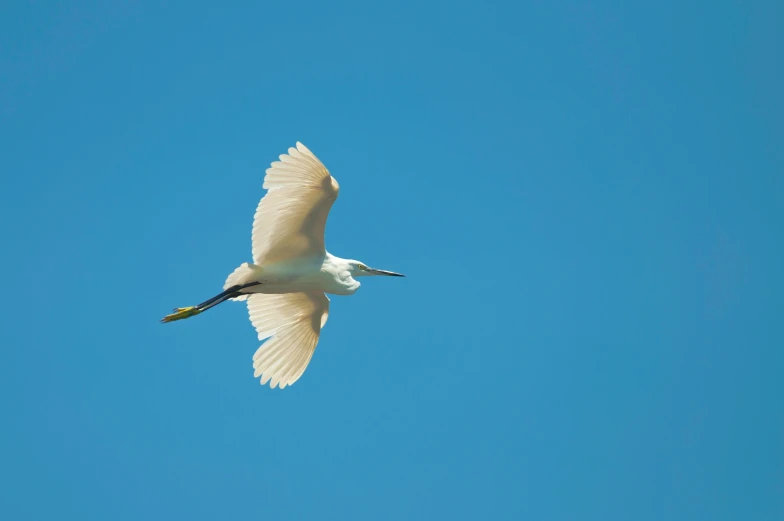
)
(285, 285)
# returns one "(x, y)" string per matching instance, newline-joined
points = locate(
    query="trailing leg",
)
(232, 292)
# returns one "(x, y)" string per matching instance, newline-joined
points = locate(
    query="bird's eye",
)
(362, 267)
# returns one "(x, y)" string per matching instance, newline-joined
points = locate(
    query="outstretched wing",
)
(292, 322)
(291, 218)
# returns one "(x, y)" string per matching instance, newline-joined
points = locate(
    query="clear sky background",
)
(588, 201)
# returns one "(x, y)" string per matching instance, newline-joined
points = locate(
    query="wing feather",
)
(291, 218)
(291, 325)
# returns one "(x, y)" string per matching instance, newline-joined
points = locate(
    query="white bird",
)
(285, 285)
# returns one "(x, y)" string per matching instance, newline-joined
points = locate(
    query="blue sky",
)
(587, 200)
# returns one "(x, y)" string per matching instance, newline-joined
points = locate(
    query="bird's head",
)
(359, 269)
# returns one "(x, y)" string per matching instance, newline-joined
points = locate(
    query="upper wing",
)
(294, 322)
(291, 217)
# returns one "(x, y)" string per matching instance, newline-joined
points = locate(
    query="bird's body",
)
(285, 285)
(325, 273)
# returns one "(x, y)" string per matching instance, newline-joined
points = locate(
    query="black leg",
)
(234, 291)
(219, 295)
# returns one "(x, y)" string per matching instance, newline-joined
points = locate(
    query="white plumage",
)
(294, 322)
(290, 220)
(285, 285)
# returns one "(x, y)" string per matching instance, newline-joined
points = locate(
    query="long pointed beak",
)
(374, 271)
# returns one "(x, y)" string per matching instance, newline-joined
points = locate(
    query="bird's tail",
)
(247, 272)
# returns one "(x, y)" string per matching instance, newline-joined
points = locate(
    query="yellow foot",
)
(181, 313)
